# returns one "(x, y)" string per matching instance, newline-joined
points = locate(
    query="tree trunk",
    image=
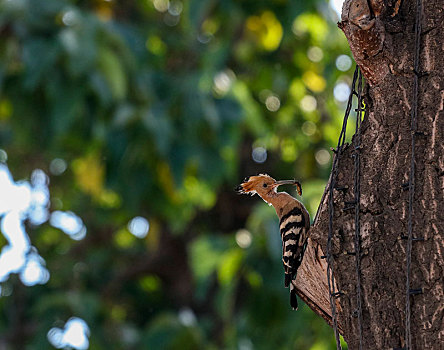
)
(381, 35)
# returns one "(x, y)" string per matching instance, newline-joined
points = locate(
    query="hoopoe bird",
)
(294, 222)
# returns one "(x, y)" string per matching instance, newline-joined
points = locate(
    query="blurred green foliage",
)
(156, 106)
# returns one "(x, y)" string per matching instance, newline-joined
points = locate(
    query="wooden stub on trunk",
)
(311, 283)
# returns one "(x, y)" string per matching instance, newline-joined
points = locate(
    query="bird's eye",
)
(264, 185)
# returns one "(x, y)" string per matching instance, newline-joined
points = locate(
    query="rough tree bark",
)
(382, 38)
(311, 283)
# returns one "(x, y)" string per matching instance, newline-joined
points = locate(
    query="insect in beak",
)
(290, 182)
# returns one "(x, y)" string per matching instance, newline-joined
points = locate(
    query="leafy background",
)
(157, 109)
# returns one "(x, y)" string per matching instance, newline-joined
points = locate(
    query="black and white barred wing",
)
(294, 241)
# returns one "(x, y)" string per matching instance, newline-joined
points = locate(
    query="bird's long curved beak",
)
(290, 182)
(285, 182)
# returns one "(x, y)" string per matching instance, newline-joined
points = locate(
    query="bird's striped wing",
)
(293, 234)
(293, 227)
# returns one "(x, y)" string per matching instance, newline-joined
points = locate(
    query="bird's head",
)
(264, 185)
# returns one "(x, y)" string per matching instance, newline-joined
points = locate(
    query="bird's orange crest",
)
(250, 183)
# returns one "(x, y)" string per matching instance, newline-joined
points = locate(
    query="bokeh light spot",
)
(313, 81)
(204, 38)
(187, 317)
(74, 335)
(308, 103)
(161, 5)
(343, 63)
(322, 157)
(139, 226)
(150, 283)
(69, 18)
(259, 154)
(34, 272)
(272, 103)
(69, 223)
(266, 29)
(309, 128)
(315, 54)
(57, 166)
(155, 44)
(243, 238)
(341, 92)
(175, 8)
(223, 81)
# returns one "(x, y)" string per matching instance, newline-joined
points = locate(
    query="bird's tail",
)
(293, 298)
(287, 279)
